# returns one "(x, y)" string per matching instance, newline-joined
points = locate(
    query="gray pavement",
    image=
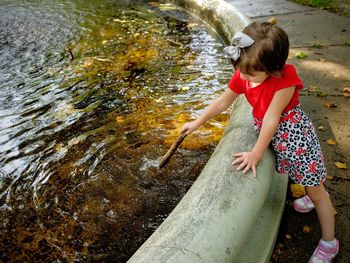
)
(262, 8)
(305, 25)
(327, 68)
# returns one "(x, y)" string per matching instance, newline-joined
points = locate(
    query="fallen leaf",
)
(301, 55)
(288, 236)
(316, 91)
(313, 88)
(185, 88)
(273, 20)
(341, 165)
(331, 142)
(330, 178)
(346, 91)
(321, 128)
(120, 119)
(330, 104)
(297, 190)
(307, 229)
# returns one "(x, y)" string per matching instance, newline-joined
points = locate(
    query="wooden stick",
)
(172, 149)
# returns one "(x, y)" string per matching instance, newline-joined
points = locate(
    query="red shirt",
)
(260, 97)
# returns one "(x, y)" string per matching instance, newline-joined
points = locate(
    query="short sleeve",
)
(289, 78)
(235, 84)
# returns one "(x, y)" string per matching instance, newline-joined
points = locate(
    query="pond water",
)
(92, 94)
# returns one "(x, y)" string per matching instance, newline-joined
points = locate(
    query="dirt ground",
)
(325, 73)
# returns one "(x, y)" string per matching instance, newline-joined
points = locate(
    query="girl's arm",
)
(249, 160)
(217, 106)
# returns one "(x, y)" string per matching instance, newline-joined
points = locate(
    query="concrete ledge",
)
(224, 217)
(220, 15)
(261, 241)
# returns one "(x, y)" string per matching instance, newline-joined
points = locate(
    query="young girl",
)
(259, 54)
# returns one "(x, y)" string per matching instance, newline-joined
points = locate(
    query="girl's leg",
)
(324, 210)
(328, 246)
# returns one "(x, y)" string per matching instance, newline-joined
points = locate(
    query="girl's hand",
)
(189, 127)
(247, 161)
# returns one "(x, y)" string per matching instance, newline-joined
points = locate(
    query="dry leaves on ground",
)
(297, 190)
(307, 229)
(331, 142)
(341, 165)
(330, 104)
(346, 92)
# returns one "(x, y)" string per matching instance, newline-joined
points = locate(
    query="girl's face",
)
(256, 77)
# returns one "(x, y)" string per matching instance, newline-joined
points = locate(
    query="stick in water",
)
(172, 149)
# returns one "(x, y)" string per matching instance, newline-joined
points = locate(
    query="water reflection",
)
(92, 94)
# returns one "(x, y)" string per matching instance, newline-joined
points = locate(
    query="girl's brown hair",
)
(269, 51)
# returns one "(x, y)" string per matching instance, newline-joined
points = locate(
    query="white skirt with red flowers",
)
(298, 151)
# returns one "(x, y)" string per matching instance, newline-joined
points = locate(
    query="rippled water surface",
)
(92, 94)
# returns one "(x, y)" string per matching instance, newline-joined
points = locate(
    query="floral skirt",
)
(298, 151)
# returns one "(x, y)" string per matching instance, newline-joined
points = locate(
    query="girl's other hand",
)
(247, 161)
(189, 127)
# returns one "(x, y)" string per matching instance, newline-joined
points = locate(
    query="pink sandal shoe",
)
(303, 204)
(324, 254)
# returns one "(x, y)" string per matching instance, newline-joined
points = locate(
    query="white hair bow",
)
(240, 40)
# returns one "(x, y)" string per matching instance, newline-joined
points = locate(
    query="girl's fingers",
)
(243, 164)
(254, 170)
(238, 160)
(247, 168)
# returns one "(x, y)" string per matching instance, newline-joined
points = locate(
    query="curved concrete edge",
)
(224, 217)
(261, 241)
(220, 15)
